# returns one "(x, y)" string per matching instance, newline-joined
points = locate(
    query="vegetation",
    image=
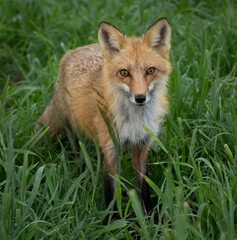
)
(50, 191)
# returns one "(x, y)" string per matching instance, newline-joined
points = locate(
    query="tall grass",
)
(51, 191)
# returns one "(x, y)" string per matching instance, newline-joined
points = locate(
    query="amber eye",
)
(124, 73)
(150, 70)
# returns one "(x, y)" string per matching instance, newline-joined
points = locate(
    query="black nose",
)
(140, 98)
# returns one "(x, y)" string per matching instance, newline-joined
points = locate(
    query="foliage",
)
(51, 191)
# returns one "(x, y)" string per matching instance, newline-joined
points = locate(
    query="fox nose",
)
(140, 98)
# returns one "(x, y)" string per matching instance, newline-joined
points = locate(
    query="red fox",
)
(127, 78)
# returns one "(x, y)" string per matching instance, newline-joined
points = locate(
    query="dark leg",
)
(110, 165)
(145, 195)
(109, 170)
(139, 159)
(108, 188)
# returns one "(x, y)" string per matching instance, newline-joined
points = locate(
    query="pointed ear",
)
(159, 34)
(110, 38)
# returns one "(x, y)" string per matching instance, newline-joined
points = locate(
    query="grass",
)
(50, 191)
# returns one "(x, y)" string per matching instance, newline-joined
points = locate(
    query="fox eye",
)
(150, 70)
(124, 73)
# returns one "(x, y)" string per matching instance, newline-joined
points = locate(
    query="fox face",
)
(136, 66)
(136, 72)
(137, 77)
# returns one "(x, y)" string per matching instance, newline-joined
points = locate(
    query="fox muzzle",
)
(140, 98)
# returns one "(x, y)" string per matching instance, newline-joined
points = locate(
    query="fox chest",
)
(129, 124)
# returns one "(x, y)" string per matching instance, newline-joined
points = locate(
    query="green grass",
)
(50, 191)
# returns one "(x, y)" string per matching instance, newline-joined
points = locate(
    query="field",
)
(52, 191)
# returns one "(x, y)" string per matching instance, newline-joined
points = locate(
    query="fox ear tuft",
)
(159, 34)
(110, 38)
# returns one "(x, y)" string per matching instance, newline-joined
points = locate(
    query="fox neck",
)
(129, 118)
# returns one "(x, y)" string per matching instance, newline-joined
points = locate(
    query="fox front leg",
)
(139, 160)
(110, 166)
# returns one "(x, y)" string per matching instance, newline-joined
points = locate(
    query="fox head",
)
(136, 66)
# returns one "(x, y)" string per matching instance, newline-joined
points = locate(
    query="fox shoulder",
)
(80, 60)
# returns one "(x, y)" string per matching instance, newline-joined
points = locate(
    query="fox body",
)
(126, 79)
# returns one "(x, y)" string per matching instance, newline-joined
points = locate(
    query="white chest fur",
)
(129, 119)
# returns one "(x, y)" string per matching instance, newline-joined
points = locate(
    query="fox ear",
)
(110, 38)
(159, 34)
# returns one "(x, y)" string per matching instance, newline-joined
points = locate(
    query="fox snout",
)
(140, 99)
